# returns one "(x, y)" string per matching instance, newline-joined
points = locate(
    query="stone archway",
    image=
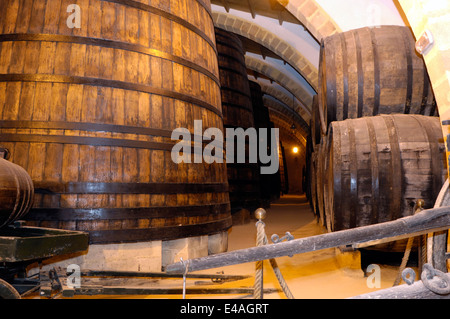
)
(285, 81)
(271, 41)
(318, 22)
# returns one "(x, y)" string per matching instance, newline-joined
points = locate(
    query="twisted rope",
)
(279, 276)
(417, 208)
(261, 239)
(404, 261)
(258, 286)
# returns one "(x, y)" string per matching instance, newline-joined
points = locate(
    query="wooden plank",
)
(30, 243)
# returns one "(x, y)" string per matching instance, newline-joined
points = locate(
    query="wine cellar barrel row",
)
(376, 144)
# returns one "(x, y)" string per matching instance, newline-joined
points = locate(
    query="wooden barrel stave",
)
(376, 169)
(116, 80)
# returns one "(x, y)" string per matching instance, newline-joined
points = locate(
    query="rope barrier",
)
(261, 239)
(279, 276)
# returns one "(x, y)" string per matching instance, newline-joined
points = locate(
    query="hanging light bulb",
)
(293, 127)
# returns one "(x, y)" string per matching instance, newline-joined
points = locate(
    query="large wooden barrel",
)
(284, 178)
(260, 111)
(237, 108)
(312, 152)
(313, 187)
(370, 71)
(275, 189)
(307, 173)
(311, 174)
(320, 181)
(89, 113)
(235, 87)
(262, 120)
(378, 167)
(16, 192)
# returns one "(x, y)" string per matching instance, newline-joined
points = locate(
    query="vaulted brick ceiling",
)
(281, 38)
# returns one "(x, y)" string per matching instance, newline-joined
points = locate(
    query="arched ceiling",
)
(259, 40)
(285, 80)
(282, 43)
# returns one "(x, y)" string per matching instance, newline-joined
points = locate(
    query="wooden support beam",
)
(261, 49)
(226, 5)
(422, 223)
(280, 16)
(252, 10)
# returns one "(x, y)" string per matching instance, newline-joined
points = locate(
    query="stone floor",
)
(327, 273)
(324, 274)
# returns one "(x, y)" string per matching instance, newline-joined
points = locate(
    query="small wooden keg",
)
(16, 192)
